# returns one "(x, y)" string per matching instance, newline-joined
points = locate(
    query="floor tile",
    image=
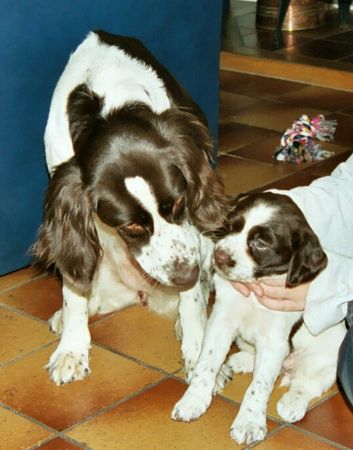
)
(25, 386)
(15, 278)
(144, 422)
(343, 134)
(233, 135)
(332, 419)
(138, 332)
(290, 439)
(231, 103)
(317, 98)
(255, 85)
(40, 298)
(59, 444)
(275, 116)
(323, 48)
(20, 335)
(235, 390)
(241, 175)
(18, 433)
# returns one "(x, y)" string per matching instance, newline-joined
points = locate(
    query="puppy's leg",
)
(314, 371)
(250, 424)
(69, 362)
(218, 339)
(192, 322)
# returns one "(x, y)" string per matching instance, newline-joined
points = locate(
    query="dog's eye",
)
(133, 229)
(258, 244)
(178, 207)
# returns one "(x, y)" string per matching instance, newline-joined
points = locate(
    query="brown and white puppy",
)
(131, 196)
(267, 235)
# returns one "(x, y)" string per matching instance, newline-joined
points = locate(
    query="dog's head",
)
(144, 175)
(267, 235)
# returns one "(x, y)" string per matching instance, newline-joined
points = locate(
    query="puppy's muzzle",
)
(223, 259)
(185, 275)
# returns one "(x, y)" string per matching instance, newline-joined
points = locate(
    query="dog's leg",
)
(250, 424)
(69, 362)
(218, 339)
(313, 372)
(192, 322)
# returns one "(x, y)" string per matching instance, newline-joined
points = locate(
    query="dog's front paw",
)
(248, 430)
(56, 322)
(191, 406)
(292, 406)
(65, 367)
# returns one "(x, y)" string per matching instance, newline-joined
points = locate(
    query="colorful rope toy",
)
(297, 143)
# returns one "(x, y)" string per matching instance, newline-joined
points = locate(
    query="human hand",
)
(274, 294)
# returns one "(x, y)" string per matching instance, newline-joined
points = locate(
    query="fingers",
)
(242, 288)
(280, 305)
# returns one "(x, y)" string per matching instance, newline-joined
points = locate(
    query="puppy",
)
(130, 200)
(267, 235)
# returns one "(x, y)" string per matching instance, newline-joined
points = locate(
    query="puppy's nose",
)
(223, 258)
(185, 275)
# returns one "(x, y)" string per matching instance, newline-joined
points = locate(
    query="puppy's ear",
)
(83, 110)
(67, 237)
(307, 261)
(205, 191)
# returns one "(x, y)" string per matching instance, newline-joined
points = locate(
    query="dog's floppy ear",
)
(307, 261)
(83, 110)
(67, 237)
(206, 199)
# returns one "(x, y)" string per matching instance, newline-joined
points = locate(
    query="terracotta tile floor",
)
(136, 363)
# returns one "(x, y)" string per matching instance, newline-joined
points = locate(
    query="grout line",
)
(298, 72)
(25, 355)
(115, 404)
(140, 362)
(317, 437)
(23, 282)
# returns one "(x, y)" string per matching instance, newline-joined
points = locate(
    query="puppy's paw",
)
(224, 376)
(248, 430)
(191, 406)
(56, 322)
(292, 406)
(65, 367)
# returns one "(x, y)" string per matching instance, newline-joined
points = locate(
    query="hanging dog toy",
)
(298, 142)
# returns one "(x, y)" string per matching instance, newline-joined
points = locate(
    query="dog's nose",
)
(223, 258)
(185, 275)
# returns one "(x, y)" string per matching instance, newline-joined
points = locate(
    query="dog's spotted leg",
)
(192, 322)
(69, 362)
(218, 338)
(250, 424)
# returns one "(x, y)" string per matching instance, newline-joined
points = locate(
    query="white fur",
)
(169, 242)
(110, 73)
(262, 336)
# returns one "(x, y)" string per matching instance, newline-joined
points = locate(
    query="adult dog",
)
(267, 235)
(130, 199)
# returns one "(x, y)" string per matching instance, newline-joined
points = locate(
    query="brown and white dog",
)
(130, 199)
(267, 235)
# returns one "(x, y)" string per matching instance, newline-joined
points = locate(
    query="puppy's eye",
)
(133, 229)
(178, 207)
(258, 244)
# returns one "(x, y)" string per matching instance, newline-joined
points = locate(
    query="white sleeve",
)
(327, 204)
(329, 292)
